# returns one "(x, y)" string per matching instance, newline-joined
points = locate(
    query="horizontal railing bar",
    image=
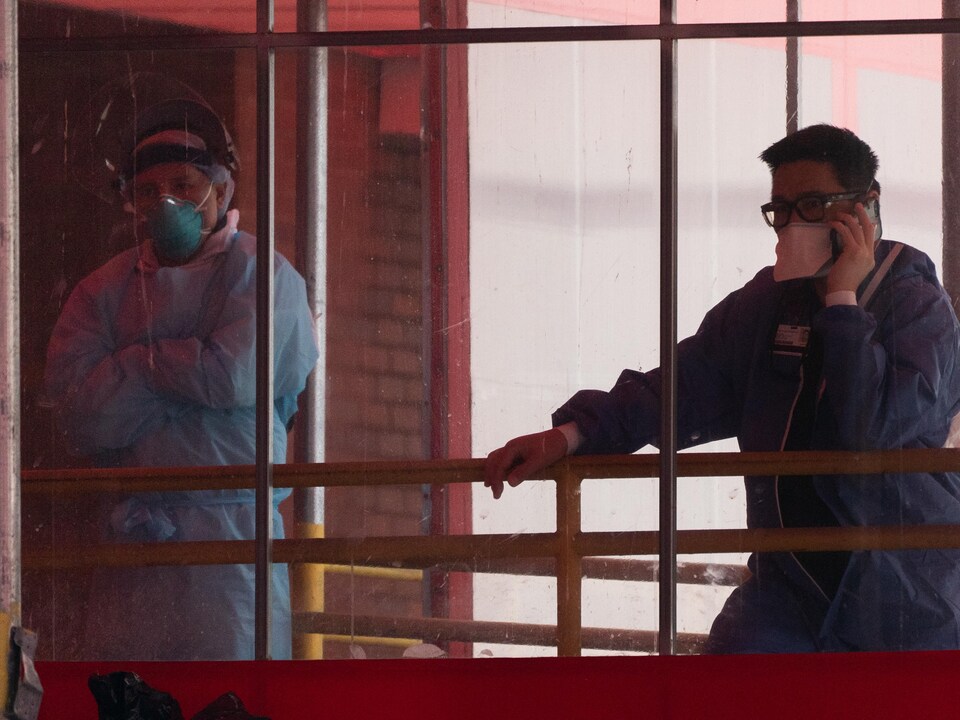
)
(426, 551)
(700, 542)
(439, 630)
(213, 552)
(608, 568)
(131, 480)
(419, 551)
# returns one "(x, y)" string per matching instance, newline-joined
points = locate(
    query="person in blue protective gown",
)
(848, 342)
(153, 363)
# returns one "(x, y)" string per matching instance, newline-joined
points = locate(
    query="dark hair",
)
(852, 159)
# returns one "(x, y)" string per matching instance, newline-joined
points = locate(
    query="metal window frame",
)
(266, 42)
(9, 345)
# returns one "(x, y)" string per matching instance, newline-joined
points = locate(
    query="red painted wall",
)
(874, 685)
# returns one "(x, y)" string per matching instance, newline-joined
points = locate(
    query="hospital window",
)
(494, 204)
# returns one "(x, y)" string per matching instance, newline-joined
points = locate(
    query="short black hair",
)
(852, 159)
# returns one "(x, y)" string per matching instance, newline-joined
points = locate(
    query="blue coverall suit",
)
(155, 366)
(885, 377)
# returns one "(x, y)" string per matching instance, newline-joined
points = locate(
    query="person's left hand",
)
(856, 236)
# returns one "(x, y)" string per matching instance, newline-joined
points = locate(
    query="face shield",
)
(178, 147)
(107, 140)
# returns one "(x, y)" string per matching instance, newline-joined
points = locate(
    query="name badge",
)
(791, 339)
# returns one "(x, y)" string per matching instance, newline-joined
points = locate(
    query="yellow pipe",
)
(307, 594)
(307, 582)
(6, 623)
(369, 640)
(384, 573)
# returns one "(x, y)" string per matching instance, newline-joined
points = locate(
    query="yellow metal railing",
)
(571, 552)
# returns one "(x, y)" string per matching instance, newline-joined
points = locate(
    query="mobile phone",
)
(835, 248)
(872, 206)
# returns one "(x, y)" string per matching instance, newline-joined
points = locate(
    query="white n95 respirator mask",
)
(805, 250)
(808, 250)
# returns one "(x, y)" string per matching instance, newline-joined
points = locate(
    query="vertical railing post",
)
(9, 344)
(667, 628)
(265, 209)
(569, 563)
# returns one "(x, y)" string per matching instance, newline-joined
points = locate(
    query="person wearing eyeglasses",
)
(848, 342)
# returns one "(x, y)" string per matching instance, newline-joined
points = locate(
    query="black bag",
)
(226, 707)
(125, 696)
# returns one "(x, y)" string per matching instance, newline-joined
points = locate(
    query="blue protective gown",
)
(155, 366)
(890, 380)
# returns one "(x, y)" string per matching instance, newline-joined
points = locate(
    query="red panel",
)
(240, 16)
(446, 203)
(876, 685)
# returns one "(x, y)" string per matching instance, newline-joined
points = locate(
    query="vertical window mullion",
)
(264, 410)
(667, 627)
(950, 144)
(793, 70)
(9, 339)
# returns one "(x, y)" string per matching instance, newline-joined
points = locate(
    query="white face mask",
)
(804, 250)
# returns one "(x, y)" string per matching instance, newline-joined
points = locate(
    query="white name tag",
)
(791, 339)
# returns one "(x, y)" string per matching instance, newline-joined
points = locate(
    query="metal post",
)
(9, 345)
(307, 579)
(950, 144)
(569, 565)
(433, 193)
(667, 629)
(265, 208)
(793, 70)
(444, 192)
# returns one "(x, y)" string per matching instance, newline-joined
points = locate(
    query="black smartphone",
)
(835, 244)
(872, 206)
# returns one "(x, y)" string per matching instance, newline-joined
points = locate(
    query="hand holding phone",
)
(856, 234)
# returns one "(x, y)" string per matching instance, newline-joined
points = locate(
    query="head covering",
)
(183, 131)
(180, 130)
(180, 146)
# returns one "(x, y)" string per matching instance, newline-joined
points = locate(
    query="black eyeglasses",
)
(810, 208)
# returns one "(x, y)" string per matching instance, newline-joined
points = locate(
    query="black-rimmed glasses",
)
(810, 208)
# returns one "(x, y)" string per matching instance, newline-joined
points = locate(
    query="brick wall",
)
(376, 407)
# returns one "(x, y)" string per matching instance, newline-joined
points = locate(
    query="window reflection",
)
(558, 191)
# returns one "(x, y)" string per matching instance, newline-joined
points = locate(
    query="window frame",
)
(667, 32)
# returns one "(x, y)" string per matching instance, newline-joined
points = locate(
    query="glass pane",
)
(564, 169)
(90, 18)
(861, 10)
(463, 220)
(350, 196)
(722, 242)
(694, 11)
(139, 327)
(547, 13)
(760, 360)
(348, 15)
(851, 82)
